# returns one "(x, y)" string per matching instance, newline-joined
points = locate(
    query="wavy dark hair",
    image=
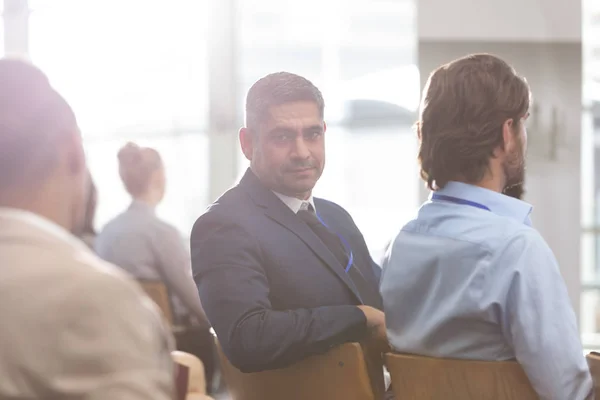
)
(464, 106)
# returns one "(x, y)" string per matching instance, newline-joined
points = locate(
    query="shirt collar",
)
(498, 203)
(140, 205)
(40, 223)
(294, 203)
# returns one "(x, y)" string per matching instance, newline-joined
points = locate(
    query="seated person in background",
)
(150, 249)
(73, 326)
(283, 275)
(470, 278)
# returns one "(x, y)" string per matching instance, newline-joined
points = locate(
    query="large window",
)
(362, 55)
(137, 70)
(590, 300)
(132, 70)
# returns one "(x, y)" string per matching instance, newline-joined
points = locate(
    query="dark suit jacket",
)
(271, 289)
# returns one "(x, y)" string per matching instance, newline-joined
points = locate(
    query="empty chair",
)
(343, 373)
(426, 378)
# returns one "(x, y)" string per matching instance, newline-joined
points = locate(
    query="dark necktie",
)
(330, 239)
(369, 295)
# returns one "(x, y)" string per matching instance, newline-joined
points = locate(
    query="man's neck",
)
(491, 185)
(147, 199)
(492, 181)
(39, 205)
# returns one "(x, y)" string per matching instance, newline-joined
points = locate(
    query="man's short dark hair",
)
(464, 106)
(32, 117)
(277, 89)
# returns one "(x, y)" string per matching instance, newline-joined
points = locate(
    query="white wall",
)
(542, 39)
(495, 20)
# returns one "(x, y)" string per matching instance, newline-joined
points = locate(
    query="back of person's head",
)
(515, 191)
(464, 108)
(41, 155)
(141, 170)
(277, 89)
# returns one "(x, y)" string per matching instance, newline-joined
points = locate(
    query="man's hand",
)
(376, 327)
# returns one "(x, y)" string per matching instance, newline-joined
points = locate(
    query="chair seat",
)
(417, 377)
(343, 373)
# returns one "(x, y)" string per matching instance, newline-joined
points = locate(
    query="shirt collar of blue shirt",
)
(498, 203)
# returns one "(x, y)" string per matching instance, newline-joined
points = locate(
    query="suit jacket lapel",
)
(280, 213)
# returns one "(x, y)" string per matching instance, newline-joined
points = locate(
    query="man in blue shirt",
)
(469, 277)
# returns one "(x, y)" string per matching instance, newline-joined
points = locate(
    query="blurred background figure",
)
(152, 250)
(88, 231)
(73, 326)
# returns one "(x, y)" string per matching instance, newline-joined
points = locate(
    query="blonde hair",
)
(136, 166)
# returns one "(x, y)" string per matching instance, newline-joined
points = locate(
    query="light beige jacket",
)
(71, 325)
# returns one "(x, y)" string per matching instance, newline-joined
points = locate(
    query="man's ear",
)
(247, 142)
(76, 154)
(508, 134)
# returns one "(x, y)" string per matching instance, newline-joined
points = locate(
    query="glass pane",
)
(2, 28)
(590, 317)
(374, 178)
(187, 177)
(590, 139)
(125, 65)
(590, 175)
(362, 55)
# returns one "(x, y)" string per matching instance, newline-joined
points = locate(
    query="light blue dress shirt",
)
(465, 282)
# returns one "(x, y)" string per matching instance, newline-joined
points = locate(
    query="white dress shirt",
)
(294, 203)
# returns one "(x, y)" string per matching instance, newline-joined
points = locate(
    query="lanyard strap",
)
(344, 243)
(457, 200)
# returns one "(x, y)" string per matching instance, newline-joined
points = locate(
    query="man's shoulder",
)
(91, 275)
(480, 228)
(520, 238)
(232, 208)
(327, 206)
(65, 280)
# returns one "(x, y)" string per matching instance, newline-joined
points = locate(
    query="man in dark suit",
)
(283, 275)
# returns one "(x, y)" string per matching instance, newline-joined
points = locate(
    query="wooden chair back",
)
(157, 291)
(426, 378)
(196, 377)
(593, 360)
(343, 373)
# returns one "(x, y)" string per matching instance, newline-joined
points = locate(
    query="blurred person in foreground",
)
(470, 278)
(284, 275)
(73, 326)
(88, 232)
(151, 249)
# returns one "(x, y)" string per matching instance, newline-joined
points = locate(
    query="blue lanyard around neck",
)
(344, 242)
(457, 200)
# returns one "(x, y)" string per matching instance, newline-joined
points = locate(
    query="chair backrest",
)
(416, 377)
(196, 377)
(593, 360)
(182, 375)
(158, 292)
(340, 374)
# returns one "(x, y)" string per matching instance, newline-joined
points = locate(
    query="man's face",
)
(514, 163)
(288, 151)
